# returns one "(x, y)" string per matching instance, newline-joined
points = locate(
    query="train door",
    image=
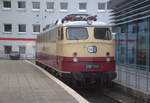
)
(60, 37)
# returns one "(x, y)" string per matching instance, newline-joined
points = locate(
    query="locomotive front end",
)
(88, 53)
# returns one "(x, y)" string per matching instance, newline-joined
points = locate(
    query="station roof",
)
(114, 3)
(127, 11)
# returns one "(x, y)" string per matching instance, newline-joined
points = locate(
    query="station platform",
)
(23, 82)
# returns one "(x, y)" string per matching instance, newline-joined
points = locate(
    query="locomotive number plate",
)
(93, 66)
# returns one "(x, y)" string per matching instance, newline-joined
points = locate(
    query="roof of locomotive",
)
(77, 20)
(84, 23)
(78, 24)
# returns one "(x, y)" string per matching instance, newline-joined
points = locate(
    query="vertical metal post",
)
(118, 66)
(148, 54)
(126, 53)
(148, 51)
(136, 59)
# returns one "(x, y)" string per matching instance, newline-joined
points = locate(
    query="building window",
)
(63, 5)
(36, 5)
(141, 51)
(22, 49)
(7, 27)
(82, 6)
(36, 28)
(101, 6)
(131, 42)
(122, 45)
(7, 4)
(21, 4)
(22, 27)
(50, 5)
(7, 49)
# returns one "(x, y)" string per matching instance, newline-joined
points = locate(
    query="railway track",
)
(104, 93)
(114, 99)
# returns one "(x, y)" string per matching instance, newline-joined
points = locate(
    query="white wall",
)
(15, 16)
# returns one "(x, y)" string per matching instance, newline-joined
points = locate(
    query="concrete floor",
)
(21, 82)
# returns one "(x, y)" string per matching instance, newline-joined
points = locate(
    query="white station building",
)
(22, 20)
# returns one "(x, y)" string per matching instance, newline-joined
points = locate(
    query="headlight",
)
(108, 59)
(75, 59)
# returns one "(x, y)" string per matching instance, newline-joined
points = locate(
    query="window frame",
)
(141, 32)
(36, 9)
(131, 45)
(4, 28)
(63, 10)
(101, 10)
(50, 8)
(6, 8)
(82, 10)
(24, 49)
(19, 28)
(105, 34)
(36, 25)
(76, 27)
(7, 46)
(20, 8)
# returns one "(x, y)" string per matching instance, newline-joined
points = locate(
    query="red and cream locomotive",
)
(78, 47)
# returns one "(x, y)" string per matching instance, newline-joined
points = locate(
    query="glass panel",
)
(50, 5)
(7, 4)
(82, 6)
(102, 33)
(7, 28)
(122, 45)
(141, 43)
(118, 30)
(101, 6)
(21, 4)
(77, 33)
(64, 5)
(122, 48)
(149, 43)
(7, 49)
(36, 28)
(131, 43)
(22, 28)
(36, 5)
(22, 49)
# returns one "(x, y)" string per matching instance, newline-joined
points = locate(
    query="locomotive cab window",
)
(60, 34)
(76, 33)
(102, 33)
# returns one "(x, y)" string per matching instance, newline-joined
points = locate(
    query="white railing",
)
(134, 78)
(4, 56)
(22, 56)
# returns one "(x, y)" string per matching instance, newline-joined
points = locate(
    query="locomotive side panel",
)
(46, 49)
